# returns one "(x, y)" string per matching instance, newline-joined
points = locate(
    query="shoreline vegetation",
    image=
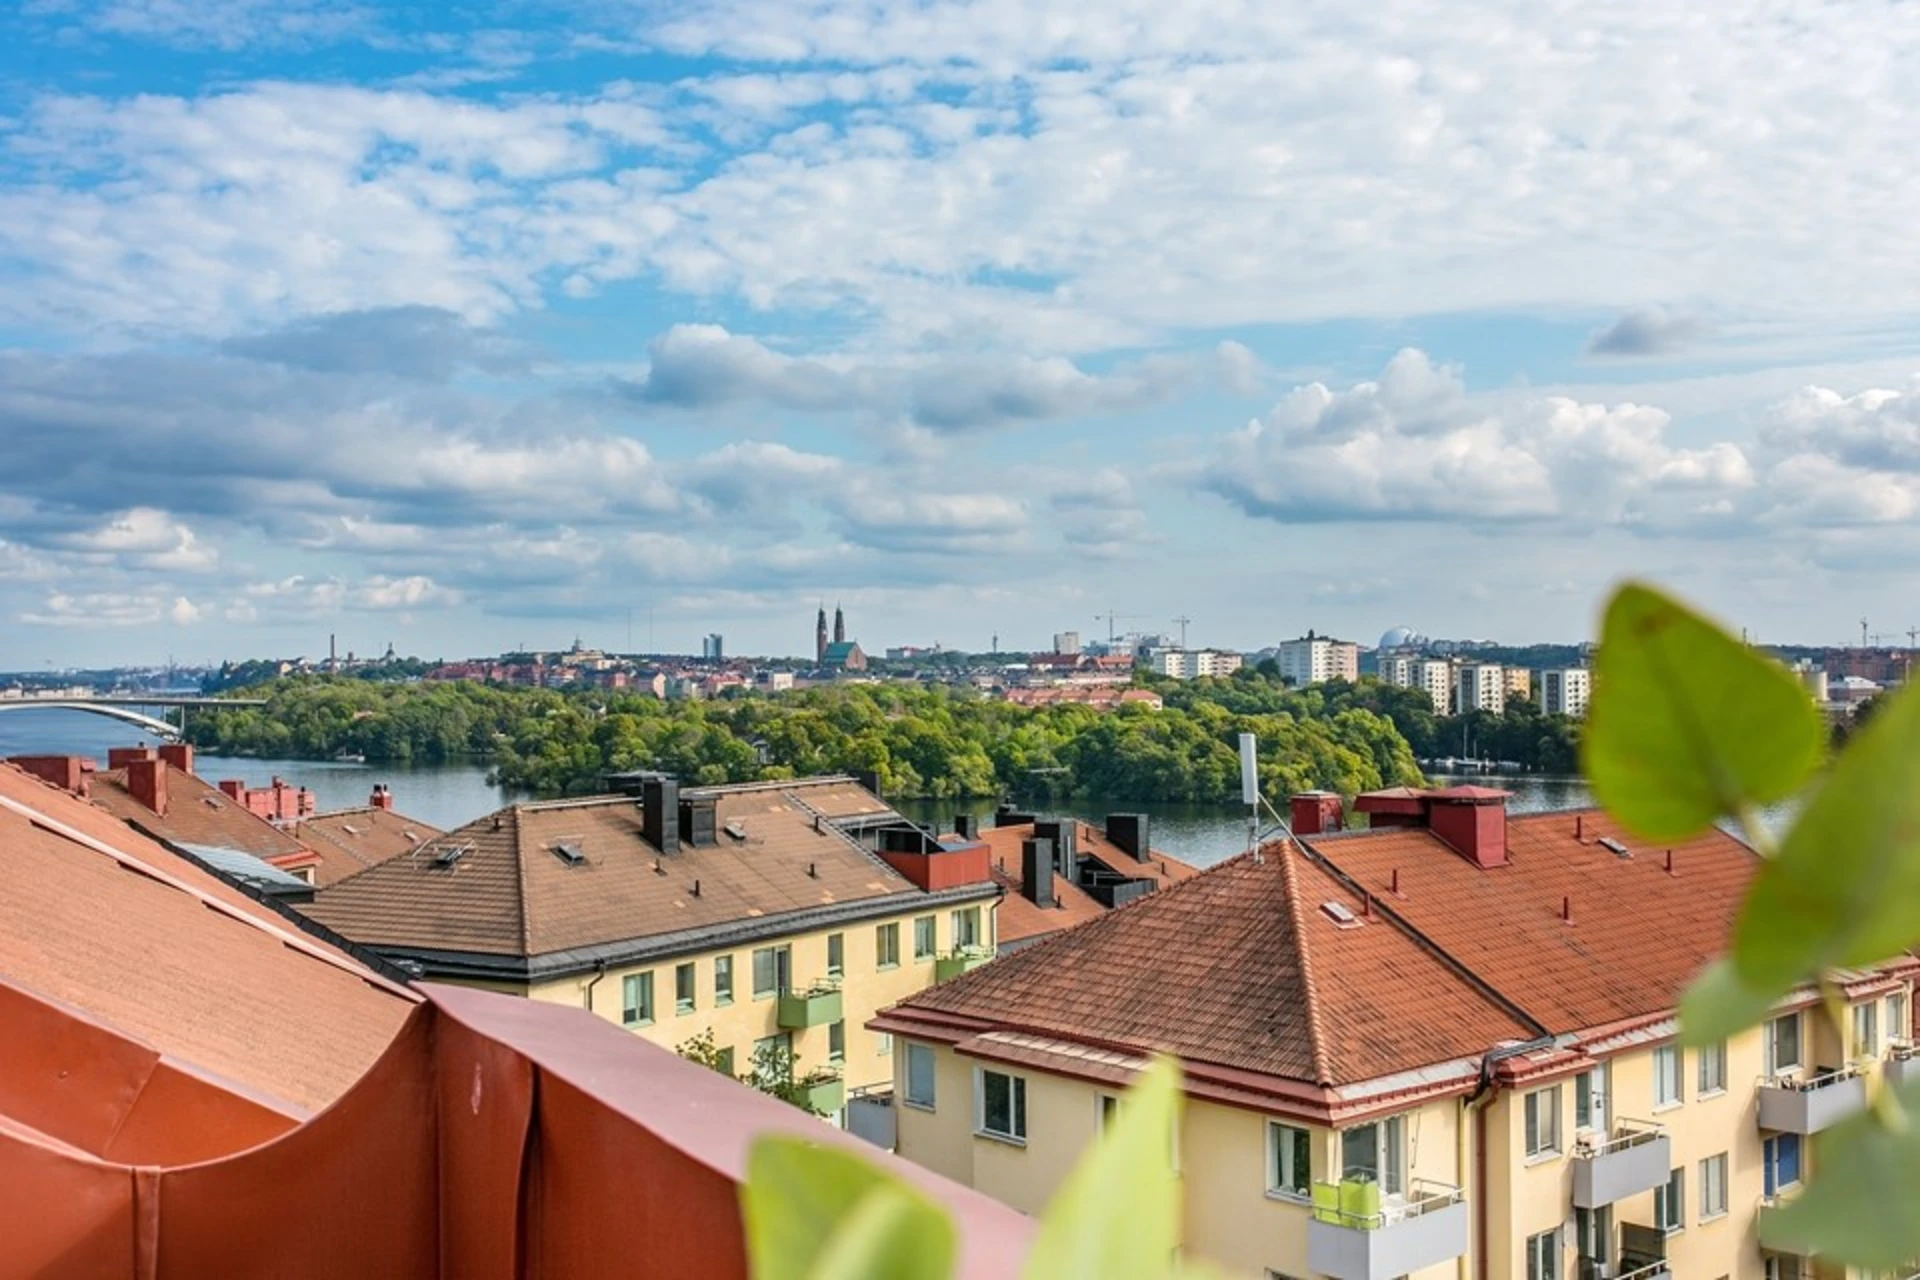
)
(933, 743)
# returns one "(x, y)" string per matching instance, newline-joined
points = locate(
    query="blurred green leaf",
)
(1721, 1003)
(1845, 886)
(1858, 1209)
(1118, 1213)
(808, 1207)
(1687, 723)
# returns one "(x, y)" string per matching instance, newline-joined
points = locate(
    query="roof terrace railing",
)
(1809, 1084)
(1626, 1134)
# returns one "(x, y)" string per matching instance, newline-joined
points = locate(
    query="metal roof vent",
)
(1341, 915)
(736, 828)
(569, 852)
(1614, 847)
(452, 854)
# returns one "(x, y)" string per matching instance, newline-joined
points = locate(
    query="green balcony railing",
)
(955, 963)
(824, 1091)
(815, 1007)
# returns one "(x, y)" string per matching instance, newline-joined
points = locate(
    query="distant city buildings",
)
(1565, 692)
(1432, 676)
(1186, 664)
(1315, 659)
(1066, 642)
(1480, 686)
(713, 648)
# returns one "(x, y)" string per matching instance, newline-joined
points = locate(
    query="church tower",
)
(820, 636)
(839, 626)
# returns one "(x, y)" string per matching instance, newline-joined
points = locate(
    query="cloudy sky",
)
(471, 326)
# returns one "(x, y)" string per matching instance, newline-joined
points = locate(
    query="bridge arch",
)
(159, 728)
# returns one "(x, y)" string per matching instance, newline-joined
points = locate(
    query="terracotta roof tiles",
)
(351, 840)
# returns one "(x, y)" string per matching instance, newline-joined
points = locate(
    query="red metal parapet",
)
(495, 1137)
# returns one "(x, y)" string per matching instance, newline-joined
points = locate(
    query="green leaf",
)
(808, 1206)
(1845, 887)
(1720, 1003)
(1118, 1213)
(1856, 1210)
(1687, 723)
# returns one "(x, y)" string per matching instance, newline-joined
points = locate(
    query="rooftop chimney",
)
(234, 789)
(966, 826)
(179, 755)
(381, 797)
(66, 772)
(147, 783)
(1473, 821)
(698, 821)
(1036, 871)
(1317, 813)
(660, 814)
(121, 757)
(1129, 831)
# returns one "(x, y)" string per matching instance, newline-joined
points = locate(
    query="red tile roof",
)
(1019, 919)
(1238, 967)
(198, 813)
(351, 840)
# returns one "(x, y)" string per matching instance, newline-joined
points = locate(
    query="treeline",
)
(920, 742)
(231, 676)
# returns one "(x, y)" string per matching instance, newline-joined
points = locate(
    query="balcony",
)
(824, 1091)
(1635, 1157)
(813, 1008)
(1903, 1063)
(1358, 1234)
(1808, 1105)
(1795, 1263)
(955, 963)
(1588, 1269)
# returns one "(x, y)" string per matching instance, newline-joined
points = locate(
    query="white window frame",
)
(1709, 1084)
(922, 1053)
(1543, 1255)
(1540, 1129)
(1713, 1178)
(1389, 1152)
(1671, 1196)
(836, 955)
(1281, 1152)
(636, 997)
(683, 1005)
(1598, 1083)
(1669, 1068)
(837, 1031)
(1016, 1131)
(1775, 1067)
(1898, 1028)
(1863, 1029)
(886, 941)
(965, 927)
(932, 923)
(722, 991)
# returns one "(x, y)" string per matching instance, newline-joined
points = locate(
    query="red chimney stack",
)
(147, 783)
(121, 757)
(1317, 813)
(179, 755)
(1473, 821)
(381, 798)
(69, 773)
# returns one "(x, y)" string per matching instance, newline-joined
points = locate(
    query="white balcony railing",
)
(1422, 1197)
(1625, 1136)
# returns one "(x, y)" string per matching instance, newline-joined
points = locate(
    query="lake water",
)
(451, 794)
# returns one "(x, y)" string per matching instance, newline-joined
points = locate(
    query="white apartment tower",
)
(1185, 664)
(1432, 675)
(1480, 686)
(1564, 692)
(1313, 659)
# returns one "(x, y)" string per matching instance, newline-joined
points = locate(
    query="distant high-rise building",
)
(820, 636)
(1313, 659)
(1480, 686)
(1185, 664)
(1066, 642)
(1519, 684)
(1432, 676)
(1565, 692)
(839, 626)
(713, 647)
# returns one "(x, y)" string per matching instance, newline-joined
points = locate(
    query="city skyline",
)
(468, 332)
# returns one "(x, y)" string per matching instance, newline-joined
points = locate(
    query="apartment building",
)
(1313, 659)
(1186, 664)
(1433, 676)
(1480, 686)
(1564, 692)
(776, 915)
(1442, 1046)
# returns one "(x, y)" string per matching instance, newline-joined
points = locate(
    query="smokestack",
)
(179, 755)
(147, 783)
(121, 757)
(1036, 871)
(381, 797)
(660, 814)
(1473, 821)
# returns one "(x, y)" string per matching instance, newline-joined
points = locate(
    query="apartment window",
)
(683, 980)
(837, 1042)
(1713, 1187)
(773, 1058)
(723, 1059)
(1376, 1152)
(1003, 1105)
(1897, 1028)
(1592, 1232)
(923, 937)
(1289, 1160)
(1543, 1256)
(1866, 1029)
(1666, 1076)
(1670, 1202)
(1712, 1068)
(1780, 1163)
(882, 1043)
(836, 954)
(886, 946)
(1543, 1122)
(1590, 1099)
(636, 999)
(919, 1091)
(1783, 1044)
(772, 971)
(722, 981)
(966, 928)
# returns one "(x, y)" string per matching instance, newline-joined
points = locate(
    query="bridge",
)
(120, 707)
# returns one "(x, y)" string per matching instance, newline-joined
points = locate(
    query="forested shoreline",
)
(931, 742)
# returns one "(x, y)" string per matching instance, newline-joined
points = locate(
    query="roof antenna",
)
(696, 888)
(1566, 910)
(1670, 870)
(1580, 827)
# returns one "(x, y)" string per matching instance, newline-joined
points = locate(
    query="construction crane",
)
(1863, 633)
(1183, 620)
(1110, 618)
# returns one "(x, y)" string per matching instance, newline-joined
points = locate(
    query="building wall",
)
(865, 990)
(1564, 692)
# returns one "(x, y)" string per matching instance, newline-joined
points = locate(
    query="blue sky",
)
(465, 327)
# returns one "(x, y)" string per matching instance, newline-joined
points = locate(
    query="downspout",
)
(1478, 1103)
(599, 972)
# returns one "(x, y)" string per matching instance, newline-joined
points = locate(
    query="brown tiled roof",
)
(513, 894)
(1018, 919)
(1240, 967)
(104, 920)
(197, 813)
(351, 840)
(1003, 846)
(1638, 934)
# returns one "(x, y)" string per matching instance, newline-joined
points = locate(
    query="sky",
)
(466, 327)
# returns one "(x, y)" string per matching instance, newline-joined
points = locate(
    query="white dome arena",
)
(1399, 636)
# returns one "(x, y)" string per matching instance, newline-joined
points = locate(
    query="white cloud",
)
(412, 592)
(143, 538)
(90, 610)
